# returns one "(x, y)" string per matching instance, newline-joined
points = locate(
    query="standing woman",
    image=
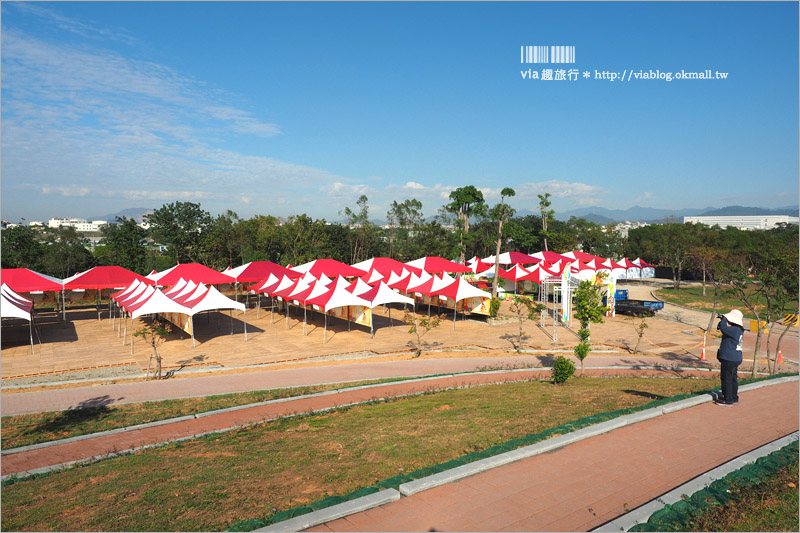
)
(730, 356)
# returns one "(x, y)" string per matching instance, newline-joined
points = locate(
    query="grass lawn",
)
(211, 482)
(24, 430)
(768, 506)
(693, 297)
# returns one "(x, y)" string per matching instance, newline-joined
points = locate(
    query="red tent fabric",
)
(385, 266)
(552, 257)
(25, 280)
(329, 267)
(259, 271)
(437, 265)
(514, 274)
(104, 277)
(192, 272)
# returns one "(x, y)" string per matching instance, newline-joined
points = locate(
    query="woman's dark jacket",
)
(730, 348)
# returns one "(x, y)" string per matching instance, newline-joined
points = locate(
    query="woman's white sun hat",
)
(735, 317)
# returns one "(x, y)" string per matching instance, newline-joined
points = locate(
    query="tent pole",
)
(63, 305)
(325, 338)
(231, 321)
(30, 329)
(125, 335)
(245, 324)
(287, 313)
(271, 310)
(131, 334)
(258, 306)
(305, 314)
(349, 320)
(191, 325)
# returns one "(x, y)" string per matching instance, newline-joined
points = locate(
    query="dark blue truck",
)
(626, 306)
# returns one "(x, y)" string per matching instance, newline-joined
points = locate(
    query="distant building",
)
(624, 227)
(81, 225)
(761, 222)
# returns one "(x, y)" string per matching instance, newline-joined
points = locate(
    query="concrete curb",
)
(334, 512)
(407, 489)
(642, 513)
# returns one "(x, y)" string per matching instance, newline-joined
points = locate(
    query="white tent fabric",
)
(341, 297)
(463, 289)
(271, 280)
(189, 287)
(155, 276)
(211, 299)
(359, 287)
(13, 305)
(136, 299)
(441, 282)
(159, 303)
(384, 295)
(395, 277)
(374, 277)
(177, 288)
(286, 281)
(416, 281)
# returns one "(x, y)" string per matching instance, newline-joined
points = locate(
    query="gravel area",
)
(111, 372)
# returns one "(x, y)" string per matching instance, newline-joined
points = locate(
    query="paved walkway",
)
(588, 483)
(328, 372)
(38, 458)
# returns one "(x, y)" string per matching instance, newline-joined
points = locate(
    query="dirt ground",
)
(88, 345)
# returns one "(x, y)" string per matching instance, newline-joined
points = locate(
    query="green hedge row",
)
(678, 516)
(396, 481)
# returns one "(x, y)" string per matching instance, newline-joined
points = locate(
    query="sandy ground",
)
(85, 348)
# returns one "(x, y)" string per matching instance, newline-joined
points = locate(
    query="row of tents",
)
(345, 291)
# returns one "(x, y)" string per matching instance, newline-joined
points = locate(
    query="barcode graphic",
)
(547, 54)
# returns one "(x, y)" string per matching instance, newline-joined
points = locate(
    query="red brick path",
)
(588, 483)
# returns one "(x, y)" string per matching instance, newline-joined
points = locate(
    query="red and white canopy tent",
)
(259, 271)
(515, 274)
(437, 265)
(190, 272)
(212, 299)
(103, 277)
(512, 258)
(459, 290)
(338, 296)
(330, 268)
(385, 266)
(12, 305)
(26, 280)
(380, 294)
(648, 270)
(552, 257)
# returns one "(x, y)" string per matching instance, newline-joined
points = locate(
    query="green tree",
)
(546, 214)
(500, 214)
(405, 218)
(525, 308)
(65, 253)
(363, 233)
(589, 309)
(181, 227)
(125, 244)
(465, 202)
(21, 247)
(154, 334)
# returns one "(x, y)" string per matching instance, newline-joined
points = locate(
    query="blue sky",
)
(289, 108)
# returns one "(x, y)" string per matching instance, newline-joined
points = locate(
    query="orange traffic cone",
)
(780, 357)
(703, 354)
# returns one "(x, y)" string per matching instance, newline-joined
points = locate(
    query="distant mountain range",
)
(598, 215)
(136, 213)
(601, 215)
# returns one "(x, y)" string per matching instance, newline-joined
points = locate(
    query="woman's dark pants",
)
(730, 381)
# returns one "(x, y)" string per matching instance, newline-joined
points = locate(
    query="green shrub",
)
(563, 369)
(494, 307)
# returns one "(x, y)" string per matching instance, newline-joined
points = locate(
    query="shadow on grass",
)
(644, 394)
(88, 410)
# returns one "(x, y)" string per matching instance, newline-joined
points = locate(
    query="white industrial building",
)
(81, 225)
(761, 222)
